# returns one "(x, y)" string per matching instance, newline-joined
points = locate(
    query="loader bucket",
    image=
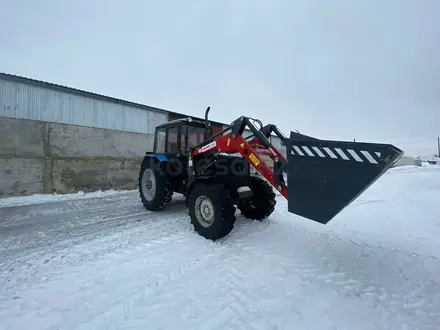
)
(326, 176)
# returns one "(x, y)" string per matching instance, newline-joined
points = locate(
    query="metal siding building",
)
(36, 100)
(31, 99)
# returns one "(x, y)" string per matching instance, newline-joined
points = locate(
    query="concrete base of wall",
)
(41, 157)
(406, 161)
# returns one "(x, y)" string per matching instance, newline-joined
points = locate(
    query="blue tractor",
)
(213, 171)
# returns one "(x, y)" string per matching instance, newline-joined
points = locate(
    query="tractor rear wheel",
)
(154, 187)
(212, 211)
(262, 202)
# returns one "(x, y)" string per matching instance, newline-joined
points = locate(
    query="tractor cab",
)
(178, 137)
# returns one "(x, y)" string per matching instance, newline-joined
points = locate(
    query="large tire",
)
(262, 202)
(151, 177)
(212, 211)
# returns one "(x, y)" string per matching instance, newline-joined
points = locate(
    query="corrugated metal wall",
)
(27, 101)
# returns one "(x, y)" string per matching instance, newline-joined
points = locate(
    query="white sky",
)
(337, 69)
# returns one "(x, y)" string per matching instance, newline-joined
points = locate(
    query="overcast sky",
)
(338, 69)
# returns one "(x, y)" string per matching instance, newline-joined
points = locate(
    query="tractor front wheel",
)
(212, 211)
(262, 202)
(154, 186)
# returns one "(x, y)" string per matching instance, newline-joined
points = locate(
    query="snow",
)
(430, 160)
(47, 198)
(100, 261)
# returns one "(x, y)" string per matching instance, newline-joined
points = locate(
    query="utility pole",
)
(438, 146)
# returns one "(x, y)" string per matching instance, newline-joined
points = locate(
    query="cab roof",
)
(187, 120)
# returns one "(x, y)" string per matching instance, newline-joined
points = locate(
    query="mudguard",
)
(159, 157)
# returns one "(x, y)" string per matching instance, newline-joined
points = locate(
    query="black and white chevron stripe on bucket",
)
(360, 156)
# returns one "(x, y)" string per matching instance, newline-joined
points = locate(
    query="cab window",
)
(160, 140)
(192, 136)
(172, 146)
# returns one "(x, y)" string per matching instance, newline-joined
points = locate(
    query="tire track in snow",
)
(163, 232)
(227, 289)
(161, 286)
(337, 231)
(237, 300)
(118, 233)
(115, 235)
(229, 296)
(153, 254)
(163, 275)
(214, 285)
(175, 288)
(407, 296)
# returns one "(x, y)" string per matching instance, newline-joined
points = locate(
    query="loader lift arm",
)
(234, 142)
(323, 176)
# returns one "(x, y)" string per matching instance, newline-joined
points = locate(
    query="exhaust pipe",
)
(208, 128)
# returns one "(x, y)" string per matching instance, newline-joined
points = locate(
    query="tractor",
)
(319, 178)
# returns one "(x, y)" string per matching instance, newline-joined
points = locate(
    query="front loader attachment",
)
(326, 176)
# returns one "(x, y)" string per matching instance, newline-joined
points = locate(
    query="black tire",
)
(261, 204)
(163, 193)
(221, 206)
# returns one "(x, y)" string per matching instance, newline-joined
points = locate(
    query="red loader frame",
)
(231, 145)
(323, 176)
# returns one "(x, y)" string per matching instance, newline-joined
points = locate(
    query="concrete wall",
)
(43, 157)
(405, 161)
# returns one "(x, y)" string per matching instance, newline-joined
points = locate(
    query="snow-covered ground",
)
(100, 261)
